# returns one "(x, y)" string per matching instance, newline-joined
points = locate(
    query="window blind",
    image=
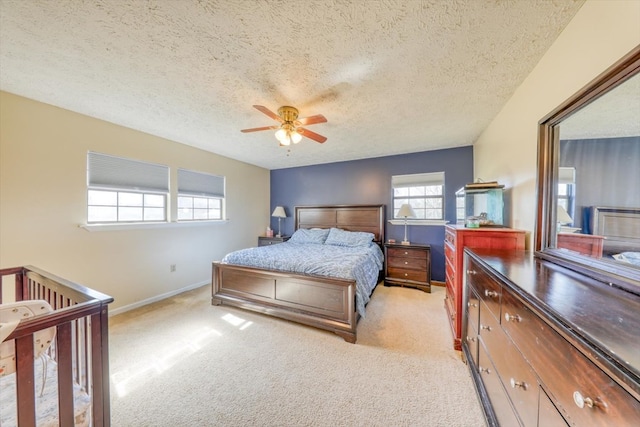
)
(418, 179)
(566, 175)
(194, 183)
(118, 173)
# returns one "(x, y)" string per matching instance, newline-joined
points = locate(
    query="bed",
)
(325, 302)
(621, 230)
(54, 366)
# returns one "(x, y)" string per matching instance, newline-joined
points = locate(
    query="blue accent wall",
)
(368, 181)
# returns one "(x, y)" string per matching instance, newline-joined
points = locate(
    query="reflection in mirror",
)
(598, 195)
(588, 212)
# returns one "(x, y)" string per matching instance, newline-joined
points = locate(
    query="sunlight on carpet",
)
(183, 361)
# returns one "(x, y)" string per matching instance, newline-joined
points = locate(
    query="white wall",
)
(600, 34)
(43, 194)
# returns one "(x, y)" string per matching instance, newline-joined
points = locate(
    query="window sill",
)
(419, 222)
(149, 225)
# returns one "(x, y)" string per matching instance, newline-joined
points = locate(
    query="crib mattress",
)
(47, 404)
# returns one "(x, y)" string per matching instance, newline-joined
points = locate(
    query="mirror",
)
(588, 215)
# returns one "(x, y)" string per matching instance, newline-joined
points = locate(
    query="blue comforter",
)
(361, 264)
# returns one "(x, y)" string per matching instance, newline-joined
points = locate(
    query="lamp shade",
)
(406, 211)
(279, 212)
(562, 216)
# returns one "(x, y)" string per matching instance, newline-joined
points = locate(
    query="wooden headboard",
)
(369, 218)
(619, 226)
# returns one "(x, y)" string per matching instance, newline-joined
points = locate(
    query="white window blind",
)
(118, 173)
(566, 175)
(418, 179)
(200, 184)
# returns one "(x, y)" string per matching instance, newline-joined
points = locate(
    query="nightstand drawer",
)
(266, 241)
(404, 274)
(406, 253)
(408, 263)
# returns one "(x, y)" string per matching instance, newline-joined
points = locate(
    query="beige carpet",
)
(183, 362)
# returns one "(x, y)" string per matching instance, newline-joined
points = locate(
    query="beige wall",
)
(43, 190)
(600, 34)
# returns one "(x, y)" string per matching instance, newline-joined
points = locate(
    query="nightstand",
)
(266, 241)
(408, 265)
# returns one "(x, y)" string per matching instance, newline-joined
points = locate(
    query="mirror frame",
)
(609, 272)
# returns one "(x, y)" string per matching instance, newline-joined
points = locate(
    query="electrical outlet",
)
(172, 268)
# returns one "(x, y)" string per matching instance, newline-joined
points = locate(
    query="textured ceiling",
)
(391, 76)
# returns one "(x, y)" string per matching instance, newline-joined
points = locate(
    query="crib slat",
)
(24, 382)
(100, 368)
(65, 377)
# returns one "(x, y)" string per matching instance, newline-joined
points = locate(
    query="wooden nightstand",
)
(408, 265)
(266, 241)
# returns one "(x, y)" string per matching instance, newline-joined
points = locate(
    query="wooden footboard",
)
(80, 349)
(321, 302)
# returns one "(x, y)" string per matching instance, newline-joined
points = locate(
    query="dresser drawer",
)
(488, 290)
(473, 318)
(473, 308)
(406, 253)
(493, 386)
(450, 237)
(405, 274)
(573, 381)
(518, 379)
(407, 263)
(565, 371)
(450, 255)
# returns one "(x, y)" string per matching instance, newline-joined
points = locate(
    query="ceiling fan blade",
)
(258, 129)
(268, 112)
(312, 120)
(311, 135)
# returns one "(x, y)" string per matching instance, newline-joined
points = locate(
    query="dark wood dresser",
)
(456, 238)
(408, 265)
(547, 346)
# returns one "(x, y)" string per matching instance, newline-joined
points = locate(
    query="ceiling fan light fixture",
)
(295, 137)
(281, 135)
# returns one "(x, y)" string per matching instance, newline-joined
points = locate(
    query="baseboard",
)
(436, 283)
(156, 298)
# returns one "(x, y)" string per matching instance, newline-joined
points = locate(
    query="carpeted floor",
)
(184, 362)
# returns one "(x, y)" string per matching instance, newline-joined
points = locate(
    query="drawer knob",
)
(471, 272)
(406, 274)
(471, 339)
(582, 401)
(521, 384)
(481, 370)
(512, 317)
(486, 327)
(472, 304)
(491, 294)
(406, 253)
(406, 262)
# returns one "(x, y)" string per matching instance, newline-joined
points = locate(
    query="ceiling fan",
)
(290, 130)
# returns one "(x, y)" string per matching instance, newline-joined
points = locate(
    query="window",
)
(125, 190)
(200, 196)
(424, 192)
(566, 189)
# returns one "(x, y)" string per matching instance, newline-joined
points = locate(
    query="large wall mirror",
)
(588, 215)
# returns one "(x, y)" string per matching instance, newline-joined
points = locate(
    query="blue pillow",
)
(314, 235)
(338, 237)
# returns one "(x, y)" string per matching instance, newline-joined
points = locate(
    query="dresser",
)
(408, 265)
(548, 347)
(586, 244)
(456, 238)
(266, 241)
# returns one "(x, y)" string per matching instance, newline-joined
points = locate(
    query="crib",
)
(70, 385)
